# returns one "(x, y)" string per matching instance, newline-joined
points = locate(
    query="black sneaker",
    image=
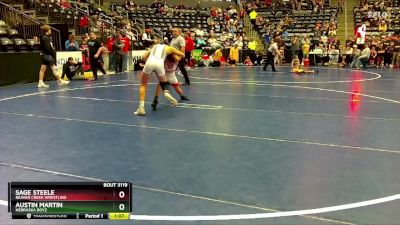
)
(154, 105)
(184, 98)
(316, 71)
(274, 71)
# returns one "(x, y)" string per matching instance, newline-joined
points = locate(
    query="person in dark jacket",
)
(48, 57)
(95, 55)
(71, 67)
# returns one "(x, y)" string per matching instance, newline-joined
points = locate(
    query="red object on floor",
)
(306, 62)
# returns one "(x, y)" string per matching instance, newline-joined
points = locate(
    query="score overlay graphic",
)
(70, 200)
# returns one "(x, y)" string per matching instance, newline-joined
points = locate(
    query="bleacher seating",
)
(369, 16)
(10, 40)
(188, 19)
(304, 20)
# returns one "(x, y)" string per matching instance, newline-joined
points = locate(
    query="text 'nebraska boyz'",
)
(36, 206)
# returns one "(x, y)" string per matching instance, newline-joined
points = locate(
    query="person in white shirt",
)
(223, 37)
(333, 55)
(199, 31)
(211, 40)
(346, 58)
(272, 51)
(146, 38)
(364, 57)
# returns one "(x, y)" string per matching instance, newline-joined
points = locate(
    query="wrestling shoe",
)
(154, 104)
(171, 99)
(184, 98)
(42, 85)
(140, 111)
(62, 82)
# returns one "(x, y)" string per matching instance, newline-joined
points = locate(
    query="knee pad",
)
(175, 85)
(164, 85)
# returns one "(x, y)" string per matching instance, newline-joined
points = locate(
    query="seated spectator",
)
(217, 27)
(374, 22)
(395, 22)
(147, 37)
(318, 53)
(71, 44)
(205, 59)
(346, 58)
(365, 7)
(333, 54)
(200, 43)
(170, 12)
(224, 37)
(244, 37)
(210, 21)
(324, 39)
(212, 41)
(217, 58)
(199, 31)
(336, 42)
(382, 6)
(332, 29)
(373, 56)
(231, 29)
(248, 62)
(382, 26)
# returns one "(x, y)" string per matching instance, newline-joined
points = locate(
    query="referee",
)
(272, 51)
(179, 43)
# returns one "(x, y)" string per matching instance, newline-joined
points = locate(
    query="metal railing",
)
(27, 27)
